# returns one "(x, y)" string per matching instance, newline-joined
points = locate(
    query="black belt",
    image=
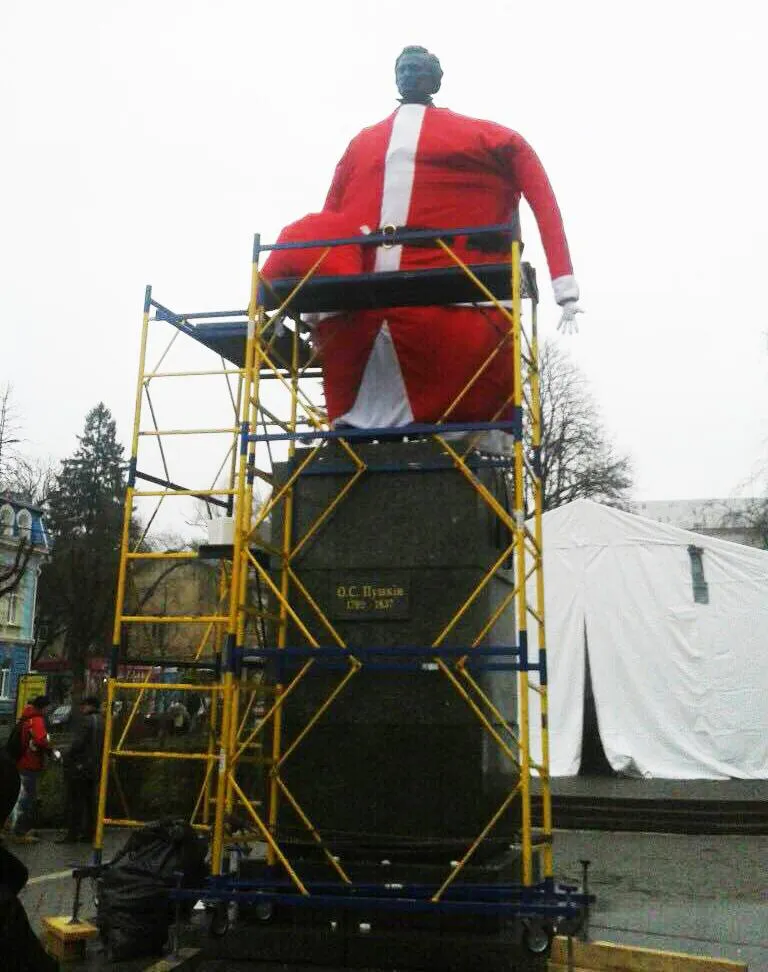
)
(493, 241)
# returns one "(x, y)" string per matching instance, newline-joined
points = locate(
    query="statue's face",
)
(414, 78)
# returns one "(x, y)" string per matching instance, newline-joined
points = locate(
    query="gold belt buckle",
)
(389, 230)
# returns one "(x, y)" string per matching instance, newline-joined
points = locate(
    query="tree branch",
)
(11, 575)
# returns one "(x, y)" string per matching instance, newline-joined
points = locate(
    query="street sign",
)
(28, 687)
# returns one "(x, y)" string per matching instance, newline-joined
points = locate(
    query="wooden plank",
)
(187, 958)
(63, 928)
(64, 940)
(556, 967)
(610, 957)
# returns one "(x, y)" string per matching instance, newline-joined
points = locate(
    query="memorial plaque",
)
(380, 596)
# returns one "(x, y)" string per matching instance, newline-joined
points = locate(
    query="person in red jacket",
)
(35, 746)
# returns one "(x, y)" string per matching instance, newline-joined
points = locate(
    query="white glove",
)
(56, 753)
(568, 323)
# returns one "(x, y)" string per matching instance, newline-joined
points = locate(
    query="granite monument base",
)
(382, 938)
(398, 768)
(406, 555)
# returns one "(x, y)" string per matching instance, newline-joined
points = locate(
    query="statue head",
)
(418, 75)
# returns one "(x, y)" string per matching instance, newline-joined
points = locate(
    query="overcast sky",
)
(145, 142)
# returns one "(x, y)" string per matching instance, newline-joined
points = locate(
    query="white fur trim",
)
(399, 171)
(381, 398)
(313, 319)
(565, 288)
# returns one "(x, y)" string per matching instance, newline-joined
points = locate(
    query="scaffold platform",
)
(281, 655)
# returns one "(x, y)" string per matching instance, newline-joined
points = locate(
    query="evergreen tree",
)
(85, 513)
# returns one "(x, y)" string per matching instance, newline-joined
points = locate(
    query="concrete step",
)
(660, 815)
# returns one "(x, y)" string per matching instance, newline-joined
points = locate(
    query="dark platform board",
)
(396, 288)
(225, 333)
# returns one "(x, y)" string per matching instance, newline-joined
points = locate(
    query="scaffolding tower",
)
(268, 375)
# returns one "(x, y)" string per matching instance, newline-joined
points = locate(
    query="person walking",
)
(82, 768)
(19, 947)
(35, 745)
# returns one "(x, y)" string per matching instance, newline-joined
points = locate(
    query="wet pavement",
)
(703, 895)
(50, 890)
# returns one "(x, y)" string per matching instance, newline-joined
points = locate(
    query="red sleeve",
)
(532, 182)
(334, 199)
(39, 733)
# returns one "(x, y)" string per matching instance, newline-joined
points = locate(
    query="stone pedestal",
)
(398, 776)
(399, 759)
(375, 938)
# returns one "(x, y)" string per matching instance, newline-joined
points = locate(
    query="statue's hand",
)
(568, 323)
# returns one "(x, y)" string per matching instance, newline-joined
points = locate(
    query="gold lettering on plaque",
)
(372, 599)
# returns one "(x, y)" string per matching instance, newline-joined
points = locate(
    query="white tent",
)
(680, 686)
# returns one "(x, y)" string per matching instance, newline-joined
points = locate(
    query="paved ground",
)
(626, 787)
(51, 890)
(705, 895)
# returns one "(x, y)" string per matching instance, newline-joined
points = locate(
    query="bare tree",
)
(753, 518)
(759, 521)
(32, 479)
(13, 467)
(11, 573)
(578, 460)
(10, 430)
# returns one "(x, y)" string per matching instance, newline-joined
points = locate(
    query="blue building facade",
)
(19, 523)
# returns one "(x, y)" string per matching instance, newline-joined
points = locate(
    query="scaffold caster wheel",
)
(537, 936)
(570, 927)
(219, 925)
(265, 910)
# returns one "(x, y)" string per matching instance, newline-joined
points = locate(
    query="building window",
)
(5, 680)
(6, 521)
(699, 581)
(10, 610)
(24, 522)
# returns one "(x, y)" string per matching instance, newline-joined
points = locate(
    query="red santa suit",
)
(422, 168)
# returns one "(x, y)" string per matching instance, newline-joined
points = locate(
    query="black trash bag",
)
(134, 908)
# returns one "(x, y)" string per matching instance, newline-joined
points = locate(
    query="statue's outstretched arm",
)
(533, 183)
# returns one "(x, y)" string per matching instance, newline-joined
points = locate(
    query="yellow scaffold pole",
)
(285, 580)
(121, 577)
(522, 613)
(546, 794)
(228, 715)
